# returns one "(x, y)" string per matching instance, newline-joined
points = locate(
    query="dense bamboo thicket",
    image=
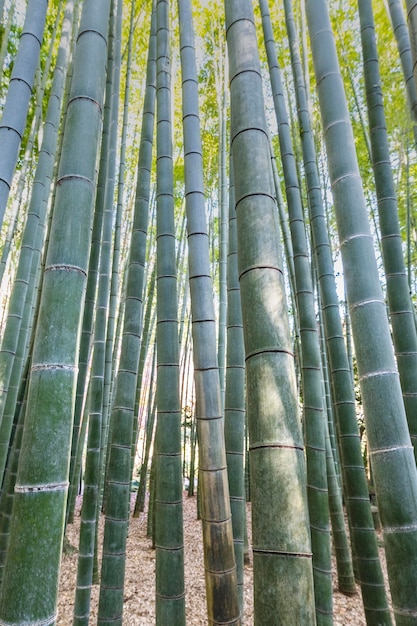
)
(187, 192)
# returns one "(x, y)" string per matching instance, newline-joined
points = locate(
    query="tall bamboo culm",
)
(313, 398)
(221, 583)
(42, 481)
(13, 120)
(282, 564)
(88, 549)
(169, 539)
(117, 507)
(354, 480)
(32, 238)
(391, 453)
(234, 403)
(399, 302)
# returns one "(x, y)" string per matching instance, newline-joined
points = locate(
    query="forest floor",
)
(140, 586)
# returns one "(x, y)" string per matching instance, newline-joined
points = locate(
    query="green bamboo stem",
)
(32, 239)
(224, 218)
(107, 425)
(399, 301)
(331, 427)
(219, 560)
(90, 506)
(7, 491)
(282, 565)
(90, 301)
(234, 406)
(147, 334)
(363, 538)
(19, 375)
(348, 339)
(344, 562)
(193, 454)
(150, 422)
(16, 106)
(111, 244)
(185, 365)
(114, 296)
(42, 481)
(149, 318)
(169, 542)
(402, 37)
(313, 401)
(345, 576)
(390, 447)
(110, 609)
(150, 522)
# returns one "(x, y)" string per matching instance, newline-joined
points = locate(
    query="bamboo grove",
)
(208, 289)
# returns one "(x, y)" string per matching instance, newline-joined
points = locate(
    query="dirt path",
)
(140, 586)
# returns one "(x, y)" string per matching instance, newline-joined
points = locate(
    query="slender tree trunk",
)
(282, 567)
(32, 238)
(223, 245)
(193, 453)
(219, 561)
(313, 401)
(41, 486)
(399, 26)
(90, 506)
(411, 6)
(7, 492)
(6, 33)
(148, 327)
(391, 451)
(117, 263)
(169, 540)
(110, 609)
(363, 538)
(234, 406)
(150, 421)
(401, 312)
(15, 110)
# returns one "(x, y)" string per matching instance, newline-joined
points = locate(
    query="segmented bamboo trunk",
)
(223, 245)
(115, 297)
(355, 486)
(87, 553)
(42, 481)
(169, 540)
(411, 6)
(234, 405)
(150, 422)
(282, 566)
(221, 584)
(400, 306)
(32, 238)
(13, 121)
(110, 609)
(90, 304)
(313, 399)
(6, 33)
(390, 448)
(399, 26)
